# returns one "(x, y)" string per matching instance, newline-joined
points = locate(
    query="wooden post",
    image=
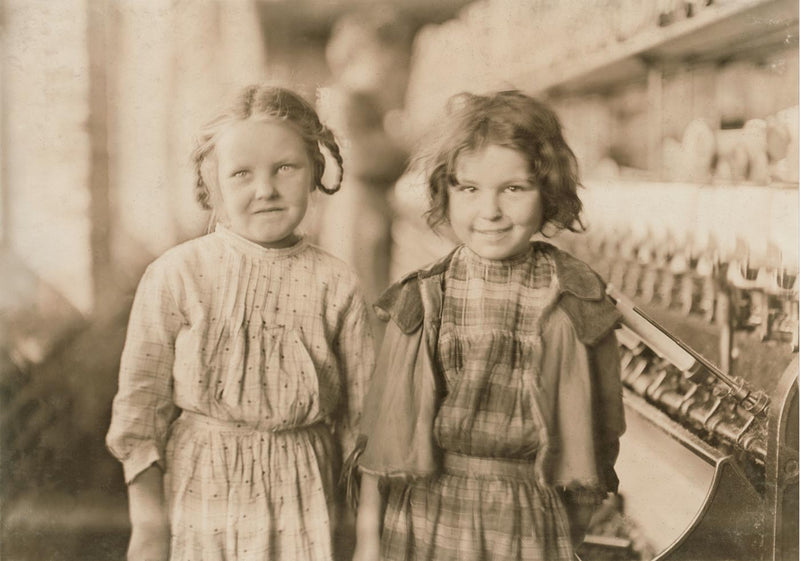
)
(99, 205)
(655, 115)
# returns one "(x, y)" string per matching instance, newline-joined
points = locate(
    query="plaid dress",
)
(263, 355)
(485, 505)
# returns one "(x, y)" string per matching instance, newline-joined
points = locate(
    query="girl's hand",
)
(368, 548)
(368, 520)
(579, 518)
(580, 505)
(149, 542)
(150, 532)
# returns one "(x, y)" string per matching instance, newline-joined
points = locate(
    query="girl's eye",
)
(240, 173)
(465, 188)
(285, 168)
(516, 188)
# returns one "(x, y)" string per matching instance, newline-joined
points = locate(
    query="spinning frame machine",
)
(721, 448)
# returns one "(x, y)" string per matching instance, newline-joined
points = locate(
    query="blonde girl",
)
(247, 354)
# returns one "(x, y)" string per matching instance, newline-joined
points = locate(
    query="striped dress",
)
(263, 356)
(485, 505)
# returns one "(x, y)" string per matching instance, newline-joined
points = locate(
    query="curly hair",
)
(267, 102)
(513, 120)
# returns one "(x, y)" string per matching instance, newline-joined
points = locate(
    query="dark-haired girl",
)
(246, 358)
(491, 428)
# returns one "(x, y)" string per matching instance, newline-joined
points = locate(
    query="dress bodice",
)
(490, 348)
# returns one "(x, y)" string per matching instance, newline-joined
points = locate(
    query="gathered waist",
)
(204, 421)
(487, 468)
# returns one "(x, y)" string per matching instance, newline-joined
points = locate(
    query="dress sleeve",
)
(608, 408)
(143, 406)
(584, 398)
(356, 356)
(399, 411)
(566, 385)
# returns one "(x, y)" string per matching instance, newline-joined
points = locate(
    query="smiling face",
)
(265, 178)
(494, 208)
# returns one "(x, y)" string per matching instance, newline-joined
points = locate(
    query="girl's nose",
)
(266, 188)
(490, 207)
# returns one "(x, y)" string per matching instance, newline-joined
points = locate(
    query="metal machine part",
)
(709, 463)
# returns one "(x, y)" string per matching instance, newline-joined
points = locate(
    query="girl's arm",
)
(143, 410)
(368, 520)
(583, 392)
(609, 424)
(150, 533)
(580, 505)
(355, 351)
(144, 406)
(610, 413)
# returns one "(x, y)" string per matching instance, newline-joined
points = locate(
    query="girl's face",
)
(264, 181)
(494, 209)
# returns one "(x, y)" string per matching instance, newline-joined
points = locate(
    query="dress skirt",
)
(219, 475)
(477, 510)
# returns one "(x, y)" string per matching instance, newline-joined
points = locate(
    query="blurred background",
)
(684, 117)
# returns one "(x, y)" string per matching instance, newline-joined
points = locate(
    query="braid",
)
(201, 191)
(329, 141)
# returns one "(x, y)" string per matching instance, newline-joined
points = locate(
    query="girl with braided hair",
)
(246, 358)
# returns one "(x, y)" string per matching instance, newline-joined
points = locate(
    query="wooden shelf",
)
(735, 28)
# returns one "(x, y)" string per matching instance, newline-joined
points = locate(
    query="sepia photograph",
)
(399, 280)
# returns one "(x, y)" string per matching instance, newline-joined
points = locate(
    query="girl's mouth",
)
(494, 232)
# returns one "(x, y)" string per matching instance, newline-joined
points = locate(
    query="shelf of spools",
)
(648, 37)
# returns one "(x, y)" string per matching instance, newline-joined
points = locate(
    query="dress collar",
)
(256, 250)
(574, 276)
(473, 258)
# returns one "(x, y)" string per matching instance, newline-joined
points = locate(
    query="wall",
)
(47, 145)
